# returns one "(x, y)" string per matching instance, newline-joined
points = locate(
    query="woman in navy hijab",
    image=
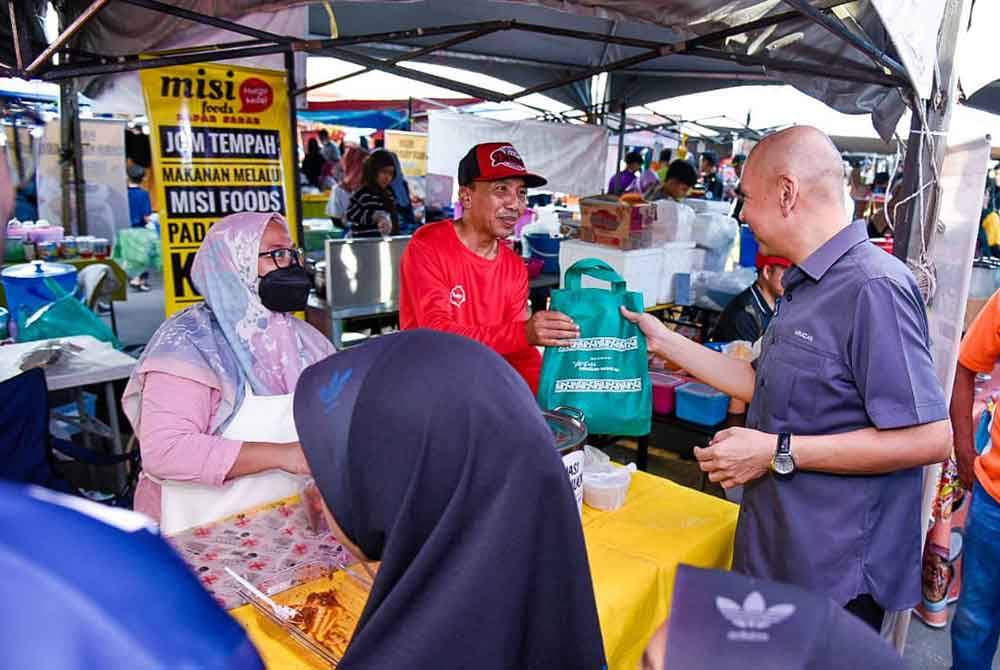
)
(434, 459)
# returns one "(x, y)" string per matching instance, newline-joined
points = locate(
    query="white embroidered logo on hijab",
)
(752, 617)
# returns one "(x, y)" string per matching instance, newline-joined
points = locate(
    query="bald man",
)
(844, 403)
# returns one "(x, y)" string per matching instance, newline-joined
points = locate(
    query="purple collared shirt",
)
(848, 348)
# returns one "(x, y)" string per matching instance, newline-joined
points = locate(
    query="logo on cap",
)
(508, 157)
(753, 616)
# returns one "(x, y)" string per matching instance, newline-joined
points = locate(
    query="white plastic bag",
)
(715, 231)
(714, 290)
(674, 222)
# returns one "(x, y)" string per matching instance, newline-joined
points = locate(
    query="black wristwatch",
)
(783, 463)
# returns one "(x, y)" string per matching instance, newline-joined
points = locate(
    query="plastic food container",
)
(26, 286)
(700, 403)
(664, 386)
(292, 587)
(68, 248)
(48, 251)
(85, 247)
(568, 426)
(102, 248)
(607, 488)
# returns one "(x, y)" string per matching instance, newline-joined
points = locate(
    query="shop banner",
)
(411, 148)
(571, 156)
(221, 145)
(106, 191)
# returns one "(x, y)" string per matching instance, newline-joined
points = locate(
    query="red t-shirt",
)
(445, 286)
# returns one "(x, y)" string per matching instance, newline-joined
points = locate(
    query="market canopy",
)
(855, 56)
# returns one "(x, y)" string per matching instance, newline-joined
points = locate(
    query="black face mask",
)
(285, 289)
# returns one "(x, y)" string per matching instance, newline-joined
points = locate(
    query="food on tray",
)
(325, 619)
(329, 609)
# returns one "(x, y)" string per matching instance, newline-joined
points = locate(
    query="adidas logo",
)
(753, 617)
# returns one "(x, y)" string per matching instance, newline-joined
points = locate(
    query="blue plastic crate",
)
(700, 403)
(748, 247)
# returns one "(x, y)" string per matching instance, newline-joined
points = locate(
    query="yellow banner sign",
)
(411, 149)
(221, 145)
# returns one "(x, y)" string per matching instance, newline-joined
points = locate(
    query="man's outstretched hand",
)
(551, 329)
(654, 329)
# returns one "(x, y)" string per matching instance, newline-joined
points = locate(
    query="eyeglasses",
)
(283, 258)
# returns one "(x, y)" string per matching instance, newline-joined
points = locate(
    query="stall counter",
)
(634, 553)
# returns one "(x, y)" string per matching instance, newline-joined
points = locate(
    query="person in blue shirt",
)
(139, 210)
(139, 205)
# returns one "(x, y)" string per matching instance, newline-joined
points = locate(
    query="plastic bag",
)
(674, 222)
(64, 317)
(714, 290)
(715, 231)
(137, 250)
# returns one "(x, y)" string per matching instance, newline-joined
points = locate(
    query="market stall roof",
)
(709, 44)
(836, 50)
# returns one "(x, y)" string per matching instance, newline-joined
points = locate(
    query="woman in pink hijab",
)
(353, 162)
(210, 399)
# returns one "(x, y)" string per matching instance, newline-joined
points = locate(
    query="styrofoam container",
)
(700, 403)
(674, 222)
(606, 489)
(678, 257)
(642, 269)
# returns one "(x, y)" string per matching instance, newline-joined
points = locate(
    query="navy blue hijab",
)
(432, 454)
(721, 620)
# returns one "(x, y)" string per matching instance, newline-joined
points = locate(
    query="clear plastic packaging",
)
(312, 501)
(605, 488)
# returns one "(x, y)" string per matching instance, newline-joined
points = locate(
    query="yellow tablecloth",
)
(633, 552)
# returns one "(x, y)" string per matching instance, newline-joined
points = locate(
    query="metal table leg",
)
(116, 436)
(642, 447)
(337, 333)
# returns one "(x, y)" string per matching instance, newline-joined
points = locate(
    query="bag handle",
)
(598, 269)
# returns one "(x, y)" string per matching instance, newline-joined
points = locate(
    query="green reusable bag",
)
(605, 373)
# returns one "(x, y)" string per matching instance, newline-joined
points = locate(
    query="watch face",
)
(783, 464)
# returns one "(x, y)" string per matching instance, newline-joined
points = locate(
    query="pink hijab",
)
(231, 339)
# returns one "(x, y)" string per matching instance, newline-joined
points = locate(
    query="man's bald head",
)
(793, 190)
(806, 153)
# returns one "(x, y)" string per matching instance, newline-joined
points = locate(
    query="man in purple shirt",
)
(844, 403)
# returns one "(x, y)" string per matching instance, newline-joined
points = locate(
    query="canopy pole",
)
(293, 125)
(917, 218)
(409, 114)
(621, 137)
(66, 34)
(836, 28)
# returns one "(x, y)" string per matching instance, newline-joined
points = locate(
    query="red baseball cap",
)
(763, 261)
(494, 161)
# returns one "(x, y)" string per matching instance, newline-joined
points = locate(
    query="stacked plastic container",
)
(641, 269)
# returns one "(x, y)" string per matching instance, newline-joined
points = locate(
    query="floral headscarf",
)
(231, 339)
(353, 161)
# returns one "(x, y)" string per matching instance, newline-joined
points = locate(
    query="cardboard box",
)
(613, 223)
(627, 241)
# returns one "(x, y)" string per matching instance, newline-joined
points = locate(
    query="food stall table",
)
(97, 363)
(634, 553)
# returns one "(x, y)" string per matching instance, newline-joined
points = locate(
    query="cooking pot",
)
(569, 427)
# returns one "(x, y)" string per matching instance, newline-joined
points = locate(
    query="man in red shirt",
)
(457, 277)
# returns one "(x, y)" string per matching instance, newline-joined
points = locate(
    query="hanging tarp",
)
(375, 118)
(570, 156)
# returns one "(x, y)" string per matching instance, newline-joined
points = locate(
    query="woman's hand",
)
(295, 459)
(257, 457)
